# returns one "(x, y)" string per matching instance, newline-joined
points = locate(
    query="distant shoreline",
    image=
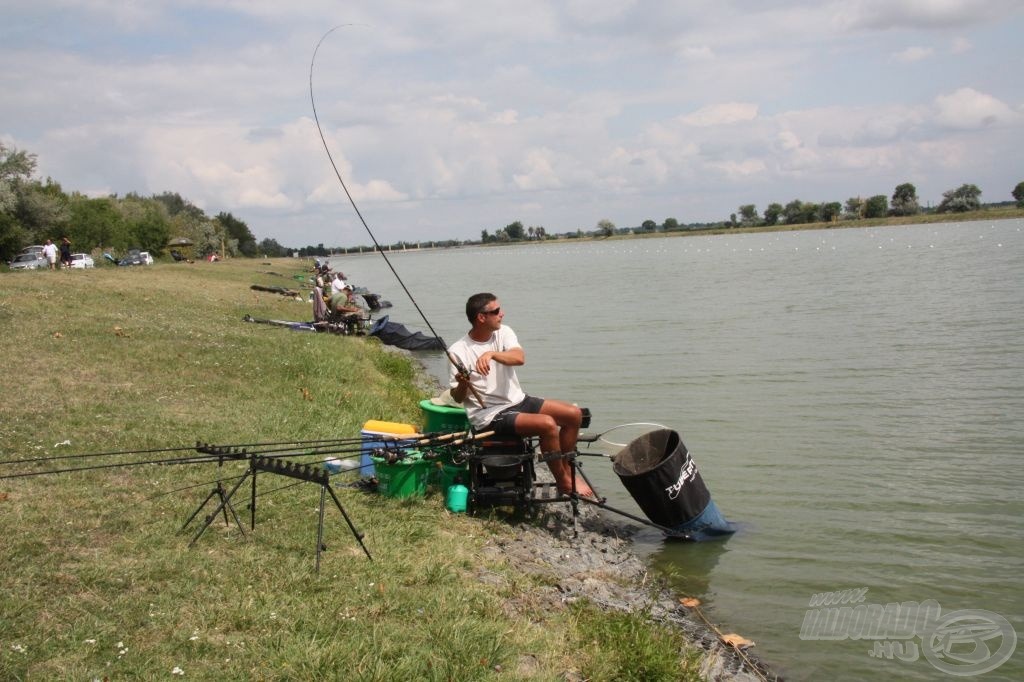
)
(992, 213)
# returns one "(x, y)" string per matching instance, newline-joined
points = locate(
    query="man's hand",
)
(483, 363)
(464, 382)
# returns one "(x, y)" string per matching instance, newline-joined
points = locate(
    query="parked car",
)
(29, 261)
(32, 249)
(136, 257)
(82, 260)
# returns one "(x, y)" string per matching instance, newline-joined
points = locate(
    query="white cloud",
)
(537, 171)
(968, 109)
(721, 114)
(919, 14)
(960, 45)
(741, 169)
(440, 113)
(787, 140)
(696, 53)
(913, 54)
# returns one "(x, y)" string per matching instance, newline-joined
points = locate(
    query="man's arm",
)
(512, 357)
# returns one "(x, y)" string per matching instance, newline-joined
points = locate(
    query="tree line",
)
(33, 210)
(904, 202)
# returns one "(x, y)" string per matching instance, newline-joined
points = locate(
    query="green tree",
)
(799, 212)
(650, 226)
(97, 222)
(1018, 194)
(772, 213)
(176, 205)
(192, 227)
(42, 209)
(876, 207)
(963, 198)
(828, 212)
(515, 231)
(605, 227)
(748, 215)
(485, 236)
(670, 225)
(854, 208)
(151, 229)
(269, 248)
(13, 237)
(239, 232)
(904, 200)
(16, 169)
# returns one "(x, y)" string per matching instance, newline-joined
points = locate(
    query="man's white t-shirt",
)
(500, 388)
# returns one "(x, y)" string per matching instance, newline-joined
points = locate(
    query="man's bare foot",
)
(582, 489)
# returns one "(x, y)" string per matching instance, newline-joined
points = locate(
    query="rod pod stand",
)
(302, 472)
(218, 492)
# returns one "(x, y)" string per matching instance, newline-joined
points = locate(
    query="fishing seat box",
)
(378, 434)
(443, 418)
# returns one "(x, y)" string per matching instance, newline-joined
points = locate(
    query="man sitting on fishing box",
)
(490, 352)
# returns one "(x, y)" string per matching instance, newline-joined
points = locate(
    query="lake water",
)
(853, 398)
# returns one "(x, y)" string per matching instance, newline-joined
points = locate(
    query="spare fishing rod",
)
(199, 459)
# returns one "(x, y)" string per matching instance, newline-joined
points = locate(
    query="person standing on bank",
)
(491, 352)
(50, 253)
(65, 252)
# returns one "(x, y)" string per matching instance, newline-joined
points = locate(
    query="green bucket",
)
(403, 479)
(443, 418)
(448, 474)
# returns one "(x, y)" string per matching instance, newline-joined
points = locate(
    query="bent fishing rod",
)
(459, 367)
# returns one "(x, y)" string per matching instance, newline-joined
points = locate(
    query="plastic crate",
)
(402, 479)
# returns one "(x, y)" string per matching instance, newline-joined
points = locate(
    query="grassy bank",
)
(99, 580)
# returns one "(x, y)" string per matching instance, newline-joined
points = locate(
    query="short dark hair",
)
(476, 304)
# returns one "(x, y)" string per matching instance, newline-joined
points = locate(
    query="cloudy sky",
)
(447, 118)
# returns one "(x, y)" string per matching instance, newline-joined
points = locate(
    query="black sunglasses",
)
(491, 312)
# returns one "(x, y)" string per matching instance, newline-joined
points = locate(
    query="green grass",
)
(99, 580)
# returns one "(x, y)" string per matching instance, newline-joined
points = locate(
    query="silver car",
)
(29, 261)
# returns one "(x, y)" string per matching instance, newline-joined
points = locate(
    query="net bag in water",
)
(663, 479)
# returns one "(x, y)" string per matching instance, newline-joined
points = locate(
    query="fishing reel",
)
(389, 456)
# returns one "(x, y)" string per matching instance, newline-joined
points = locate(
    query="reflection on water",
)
(853, 399)
(687, 566)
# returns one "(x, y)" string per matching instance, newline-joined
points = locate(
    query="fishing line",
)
(348, 194)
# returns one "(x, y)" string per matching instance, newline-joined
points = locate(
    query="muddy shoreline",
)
(595, 561)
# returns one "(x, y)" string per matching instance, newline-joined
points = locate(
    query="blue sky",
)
(448, 118)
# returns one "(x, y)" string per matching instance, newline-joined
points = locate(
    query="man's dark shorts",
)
(504, 423)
